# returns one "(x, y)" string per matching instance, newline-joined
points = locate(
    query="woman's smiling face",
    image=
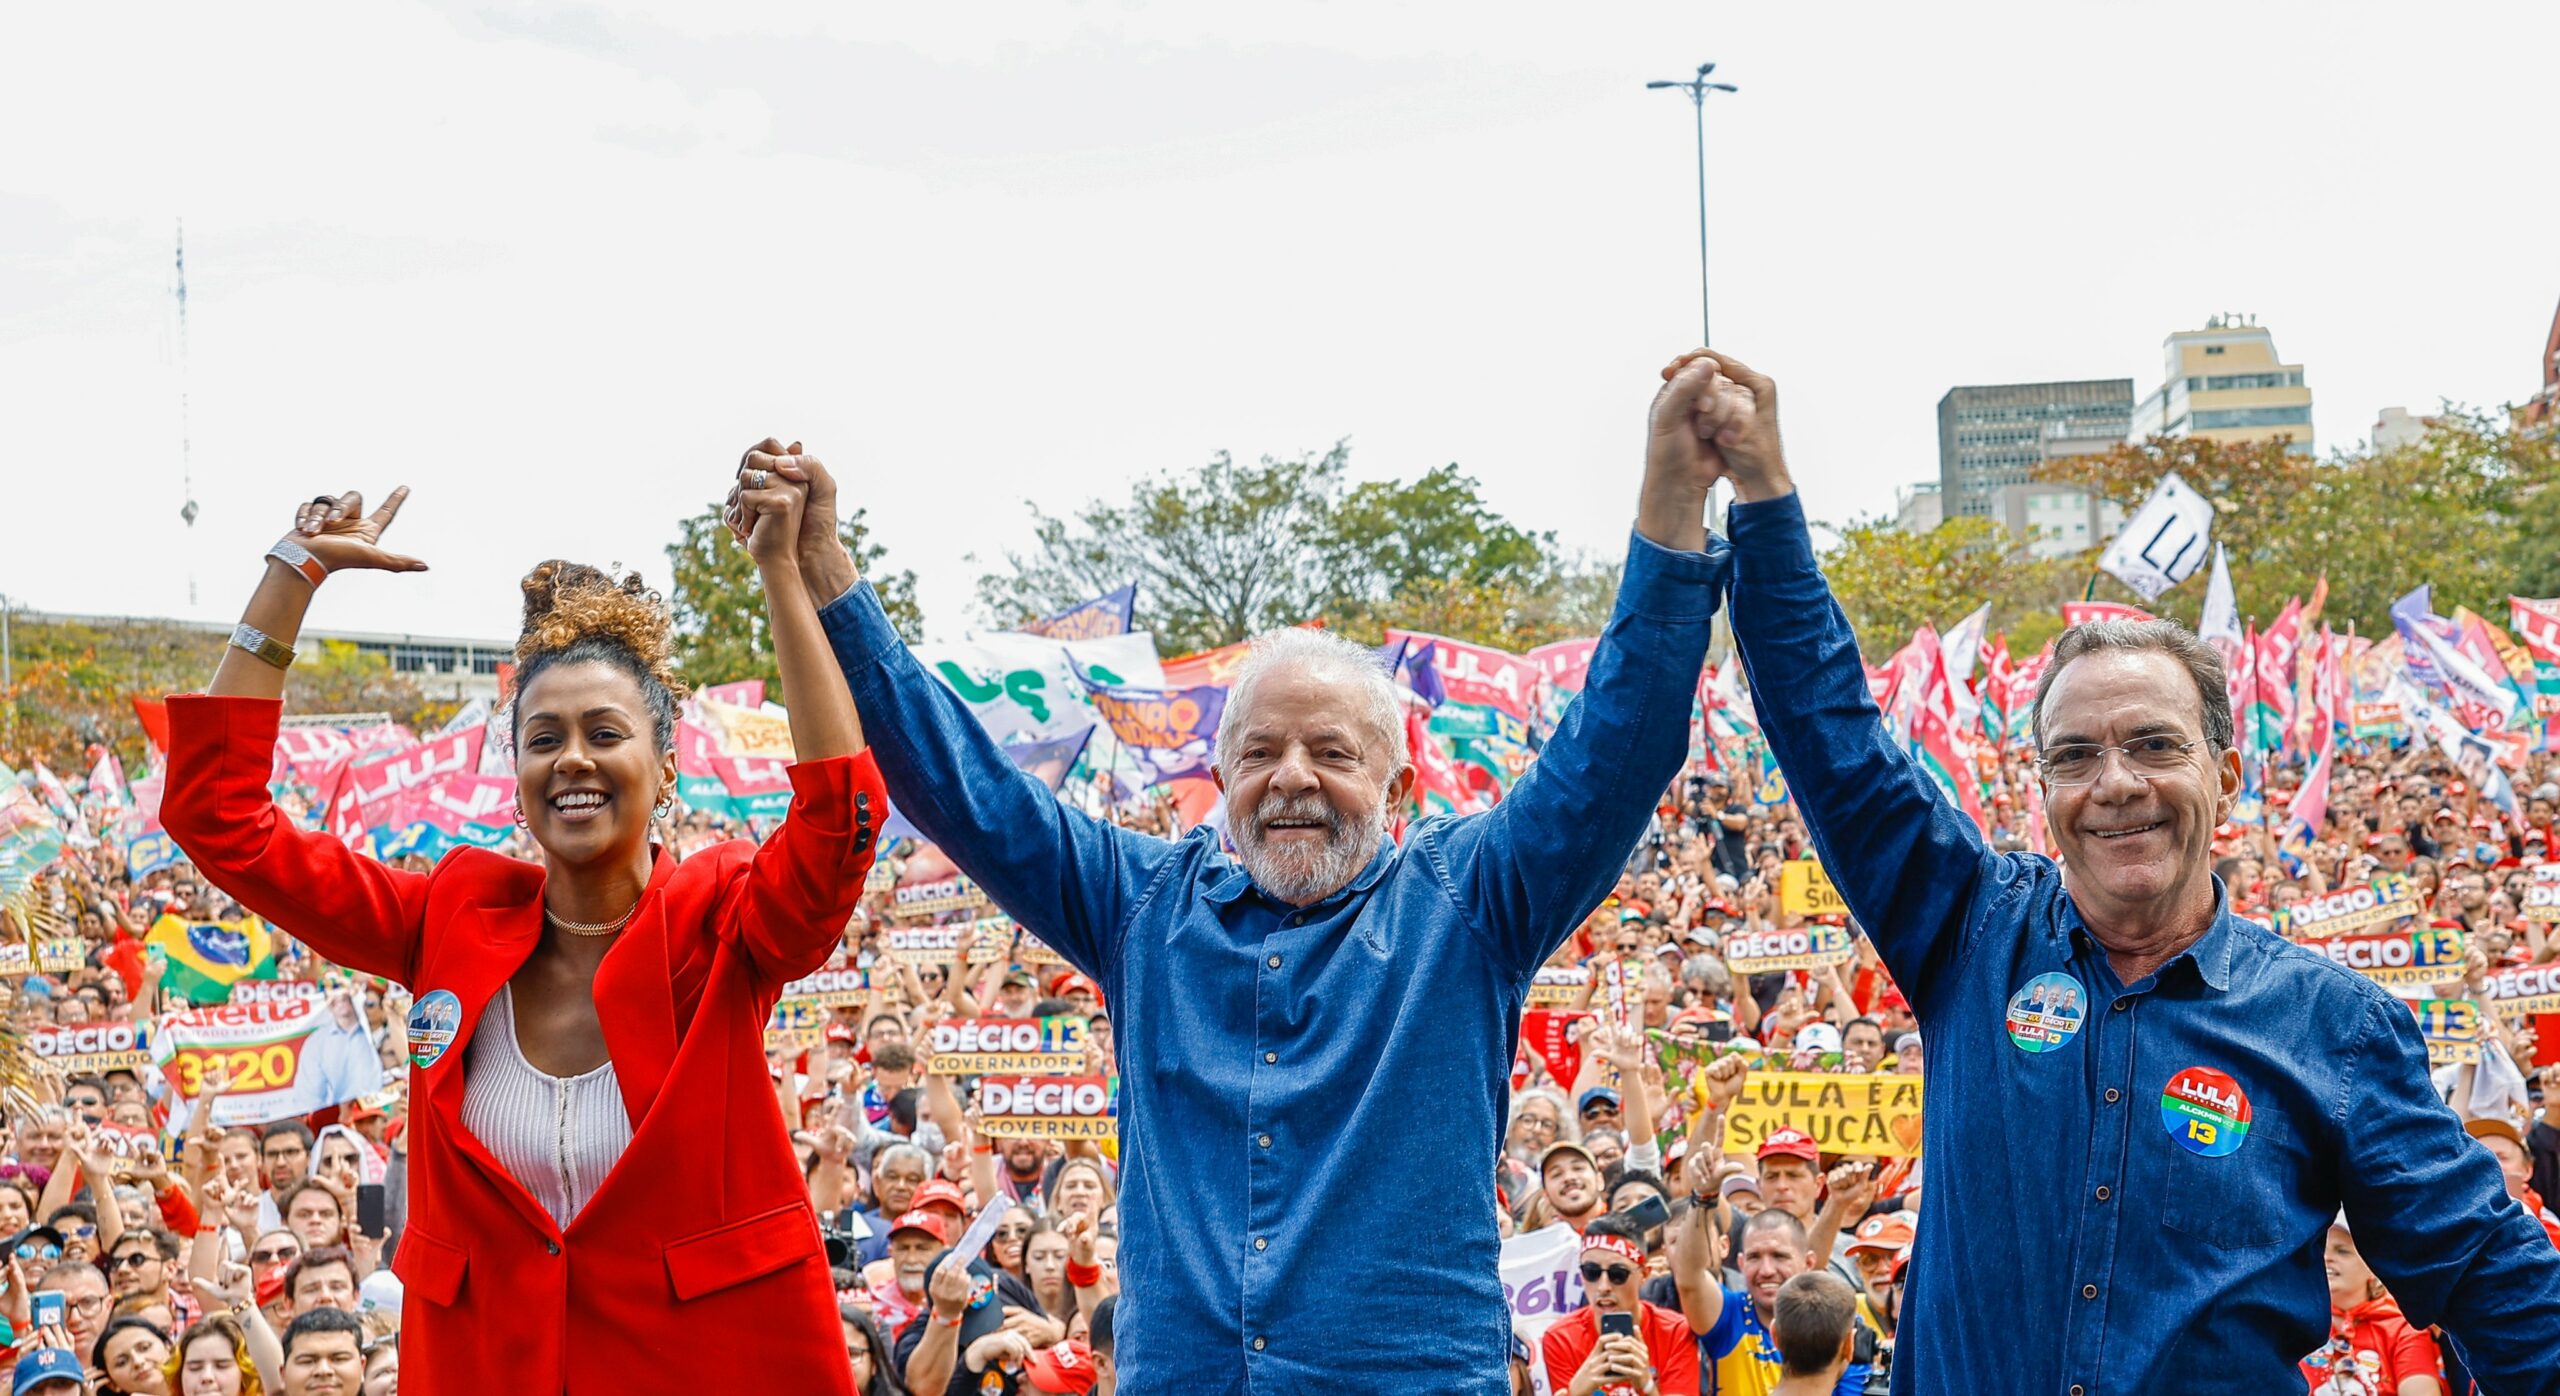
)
(588, 767)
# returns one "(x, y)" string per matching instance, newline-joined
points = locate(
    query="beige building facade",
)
(2226, 382)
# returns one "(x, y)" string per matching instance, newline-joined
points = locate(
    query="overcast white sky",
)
(555, 265)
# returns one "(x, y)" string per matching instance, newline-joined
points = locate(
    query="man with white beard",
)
(1287, 1015)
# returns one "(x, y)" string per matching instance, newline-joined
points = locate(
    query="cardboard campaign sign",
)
(1844, 1114)
(92, 1048)
(2524, 989)
(1804, 889)
(1803, 947)
(1558, 985)
(797, 1025)
(996, 938)
(1540, 1283)
(935, 898)
(939, 945)
(2542, 894)
(831, 988)
(284, 1059)
(1045, 1107)
(2451, 1028)
(131, 1150)
(1029, 1046)
(2398, 959)
(2388, 897)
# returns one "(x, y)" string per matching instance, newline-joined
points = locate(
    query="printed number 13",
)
(2201, 1132)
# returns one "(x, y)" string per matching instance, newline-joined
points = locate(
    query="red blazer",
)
(697, 1266)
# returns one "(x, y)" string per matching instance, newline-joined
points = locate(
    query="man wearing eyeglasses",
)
(139, 1263)
(86, 1303)
(1656, 1358)
(2146, 1190)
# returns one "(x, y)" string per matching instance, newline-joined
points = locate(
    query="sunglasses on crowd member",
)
(270, 1255)
(32, 1250)
(1618, 1274)
(1013, 1233)
(80, 1232)
(132, 1260)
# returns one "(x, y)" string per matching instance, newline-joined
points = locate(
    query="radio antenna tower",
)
(186, 442)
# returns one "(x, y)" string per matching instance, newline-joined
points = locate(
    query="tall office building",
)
(2225, 382)
(1990, 437)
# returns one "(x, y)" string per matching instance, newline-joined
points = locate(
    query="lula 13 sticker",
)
(2046, 1013)
(2205, 1111)
(433, 1021)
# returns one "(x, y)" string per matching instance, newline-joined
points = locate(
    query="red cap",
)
(941, 1192)
(1066, 982)
(930, 1223)
(842, 1031)
(1786, 1141)
(1885, 1231)
(1068, 1367)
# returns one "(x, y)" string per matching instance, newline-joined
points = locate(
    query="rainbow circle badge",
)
(2045, 1013)
(2205, 1111)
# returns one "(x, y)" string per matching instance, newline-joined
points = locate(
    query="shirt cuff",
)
(1672, 584)
(858, 627)
(1772, 528)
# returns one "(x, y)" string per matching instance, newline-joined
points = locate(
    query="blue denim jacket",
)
(2094, 1221)
(1311, 1101)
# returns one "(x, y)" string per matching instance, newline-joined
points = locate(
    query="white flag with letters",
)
(2164, 543)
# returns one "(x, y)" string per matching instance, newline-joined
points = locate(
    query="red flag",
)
(1933, 733)
(1555, 1037)
(2087, 612)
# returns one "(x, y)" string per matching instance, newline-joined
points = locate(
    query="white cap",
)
(380, 1290)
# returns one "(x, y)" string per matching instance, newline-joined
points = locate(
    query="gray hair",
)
(1300, 647)
(2203, 661)
(896, 1152)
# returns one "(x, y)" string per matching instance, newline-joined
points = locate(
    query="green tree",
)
(1220, 553)
(722, 631)
(1228, 551)
(1891, 583)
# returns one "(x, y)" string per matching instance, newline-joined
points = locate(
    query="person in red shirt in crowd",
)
(2372, 1350)
(1658, 1358)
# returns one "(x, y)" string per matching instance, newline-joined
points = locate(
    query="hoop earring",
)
(520, 819)
(666, 807)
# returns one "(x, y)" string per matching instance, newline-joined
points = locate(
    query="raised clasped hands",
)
(342, 535)
(1716, 418)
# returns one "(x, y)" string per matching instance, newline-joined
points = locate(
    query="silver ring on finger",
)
(756, 479)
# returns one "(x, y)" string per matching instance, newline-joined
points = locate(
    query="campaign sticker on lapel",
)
(2205, 1111)
(2046, 1013)
(434, 1020)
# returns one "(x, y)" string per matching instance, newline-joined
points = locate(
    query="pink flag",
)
(2087, 612)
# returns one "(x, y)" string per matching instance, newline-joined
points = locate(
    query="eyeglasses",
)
(1013, 1233)
(857, 1354)
(90, 1305)
(81, 1232)
(33, 1251)
(133, 1260)
(2147, 757)
(1618, 1274)
(270, 1257)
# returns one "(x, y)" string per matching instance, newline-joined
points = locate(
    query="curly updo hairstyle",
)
(576, 614)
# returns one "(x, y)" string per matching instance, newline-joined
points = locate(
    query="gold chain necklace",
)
(584, 928)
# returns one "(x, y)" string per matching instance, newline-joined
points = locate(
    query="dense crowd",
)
(239, 1263)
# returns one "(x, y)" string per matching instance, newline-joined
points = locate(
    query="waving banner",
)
(1173, 732)
(1101, 618)
(1478, 674)
(284, 1058)
(203, 959)
(2164, 542)
(1025, 687)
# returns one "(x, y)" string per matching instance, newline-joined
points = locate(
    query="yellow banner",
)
(1865, 1115)
(1804, 889)
(2542, 895)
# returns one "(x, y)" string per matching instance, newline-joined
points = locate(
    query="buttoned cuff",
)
(835, 794)
(1672, 584)
(1773, 529)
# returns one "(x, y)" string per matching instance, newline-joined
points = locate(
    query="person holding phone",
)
(1618, 1345)
(597, 1164)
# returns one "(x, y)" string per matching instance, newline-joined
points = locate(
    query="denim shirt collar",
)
(2210, 956)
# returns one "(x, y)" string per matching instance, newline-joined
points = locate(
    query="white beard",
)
(1300, 875)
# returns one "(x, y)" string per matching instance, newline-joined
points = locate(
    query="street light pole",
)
(1698, 87)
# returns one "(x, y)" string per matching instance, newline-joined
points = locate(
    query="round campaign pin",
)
(2205, 1111)
(434, 1020)
(2046, 1013)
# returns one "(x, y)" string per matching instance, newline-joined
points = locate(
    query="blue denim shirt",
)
(2085, 1229)
(1311, 1101)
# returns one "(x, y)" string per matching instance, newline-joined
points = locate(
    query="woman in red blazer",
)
(671, 1247)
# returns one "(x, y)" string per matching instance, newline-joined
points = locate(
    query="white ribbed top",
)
(559, 1135)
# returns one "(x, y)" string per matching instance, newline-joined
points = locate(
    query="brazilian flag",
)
(205, 958)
